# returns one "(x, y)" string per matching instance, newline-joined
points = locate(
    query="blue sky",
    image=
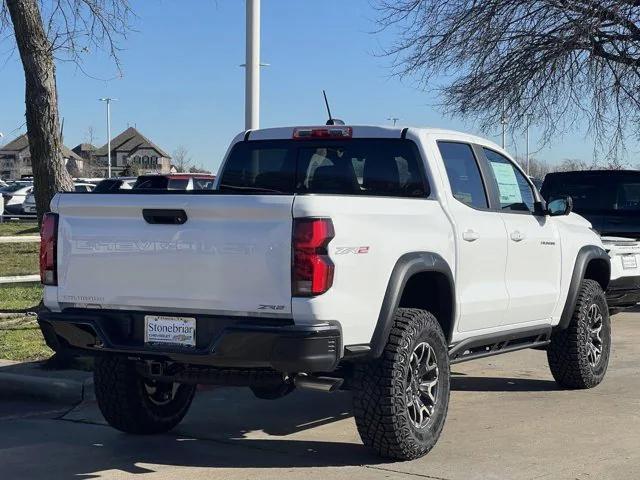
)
(182, 84)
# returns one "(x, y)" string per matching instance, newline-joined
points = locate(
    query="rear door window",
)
(464, 174)
(375, 167)
(516, 193)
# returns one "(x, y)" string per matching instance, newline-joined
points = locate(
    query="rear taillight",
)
(48, 249)
(312, 269)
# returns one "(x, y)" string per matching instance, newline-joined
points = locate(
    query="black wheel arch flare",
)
(591, 262)
(405, 268)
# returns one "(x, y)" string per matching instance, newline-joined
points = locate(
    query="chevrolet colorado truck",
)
(355, 257)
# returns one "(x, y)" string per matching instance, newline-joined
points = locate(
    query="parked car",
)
(175, 181)
(116, 183)
(366, 258)
(610, 200)
(29, 205)
(15, 195)
(624, 286)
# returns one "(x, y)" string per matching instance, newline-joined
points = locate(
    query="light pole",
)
(252, 73)
(394, 120)
(108, 101)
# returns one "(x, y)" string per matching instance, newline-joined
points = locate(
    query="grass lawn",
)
(9, 228)
(20, 337)
(21, 340)
(18, 259)
(20, 297)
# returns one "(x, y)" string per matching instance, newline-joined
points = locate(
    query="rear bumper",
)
(624, 292)
(228, 342)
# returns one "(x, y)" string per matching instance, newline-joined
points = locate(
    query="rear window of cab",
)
(372, 167)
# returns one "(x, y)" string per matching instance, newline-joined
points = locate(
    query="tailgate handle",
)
(161, 216)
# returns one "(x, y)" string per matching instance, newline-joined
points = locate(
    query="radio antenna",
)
(326, 102)
(331, 121)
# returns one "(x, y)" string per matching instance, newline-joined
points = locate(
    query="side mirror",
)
(560, 206)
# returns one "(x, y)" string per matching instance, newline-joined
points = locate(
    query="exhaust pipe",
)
(319, 384)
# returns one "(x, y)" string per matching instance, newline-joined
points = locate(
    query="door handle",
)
(162, 216)
(517, 236)
(470, 235)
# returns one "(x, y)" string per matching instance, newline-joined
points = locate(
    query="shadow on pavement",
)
(225, 429)
(73, 450)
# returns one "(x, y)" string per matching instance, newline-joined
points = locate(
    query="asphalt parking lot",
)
(507, 420)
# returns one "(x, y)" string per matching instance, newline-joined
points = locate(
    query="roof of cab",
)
(368, 131)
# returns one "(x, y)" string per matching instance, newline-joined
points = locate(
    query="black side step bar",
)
(503, 342)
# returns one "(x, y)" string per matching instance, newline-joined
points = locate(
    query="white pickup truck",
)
(356, 257)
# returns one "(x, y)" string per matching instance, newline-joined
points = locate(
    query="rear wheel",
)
(134, 404)
(401, 399)
(579, 355)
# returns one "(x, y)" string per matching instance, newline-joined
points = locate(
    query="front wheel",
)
(134, 404)
(579, 355)
(401, 399)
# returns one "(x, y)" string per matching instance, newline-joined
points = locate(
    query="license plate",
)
(162, 330)
(629, 261)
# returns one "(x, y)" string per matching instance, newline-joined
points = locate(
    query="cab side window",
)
(516, 193)
(464, 174)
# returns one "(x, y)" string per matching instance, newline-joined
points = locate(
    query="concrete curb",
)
(20, 279)
(57, 389)
(20, 239)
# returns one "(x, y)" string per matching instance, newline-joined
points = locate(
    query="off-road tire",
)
(568, 352)
(381, 408)
(126, 404)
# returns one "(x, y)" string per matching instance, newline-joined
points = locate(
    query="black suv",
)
(609, 199)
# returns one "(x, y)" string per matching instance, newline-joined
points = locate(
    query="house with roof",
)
(15, 159)
(133, 148)
(85, 151)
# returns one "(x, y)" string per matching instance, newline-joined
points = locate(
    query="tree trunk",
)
(41, 97)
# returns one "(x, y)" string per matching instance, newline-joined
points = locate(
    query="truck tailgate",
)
(233, 254)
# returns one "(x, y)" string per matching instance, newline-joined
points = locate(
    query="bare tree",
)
(537, 168)
(69, 29)
(181, 159)
(199, 169)
(567, 63)
(90, 135)
(574, 164)
(91, 168)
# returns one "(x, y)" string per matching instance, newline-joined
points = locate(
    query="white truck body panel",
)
(388, 228)
(232, 255)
